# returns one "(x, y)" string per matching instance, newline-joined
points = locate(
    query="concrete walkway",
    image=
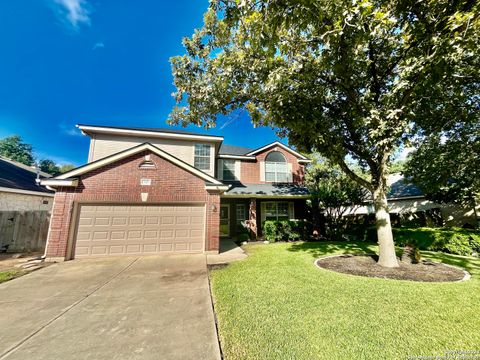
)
(229, 251)
(117, 308)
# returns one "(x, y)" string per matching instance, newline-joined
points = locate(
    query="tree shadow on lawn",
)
(325, 248)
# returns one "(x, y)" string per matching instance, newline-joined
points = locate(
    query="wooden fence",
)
(24, 230)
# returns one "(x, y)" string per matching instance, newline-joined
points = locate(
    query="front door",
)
(225, 220)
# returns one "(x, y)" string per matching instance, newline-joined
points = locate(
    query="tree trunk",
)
(387, 256)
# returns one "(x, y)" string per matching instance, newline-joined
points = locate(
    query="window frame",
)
(276, 216)
(202, 156)
(276, 172)
(231, 171)
(244, 210)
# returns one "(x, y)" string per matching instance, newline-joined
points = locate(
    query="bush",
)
(243, 237)
(283, 230)
(450, 240)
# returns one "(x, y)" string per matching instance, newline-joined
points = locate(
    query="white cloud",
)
(73, 12)
(98, 45)
(70, 130)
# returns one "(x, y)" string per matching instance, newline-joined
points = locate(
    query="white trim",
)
(132, 132)
(277, 143)
(25, 192)
(25, 167)
(60, 182)
(304, 161)
(134, 150)
(236, 157)
(221, 188)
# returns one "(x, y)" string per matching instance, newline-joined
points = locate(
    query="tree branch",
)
(343, 165)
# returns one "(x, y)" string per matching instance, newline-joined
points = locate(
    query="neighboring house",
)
(147, 191)
(19, 188)
(24, 207)
(406, 201)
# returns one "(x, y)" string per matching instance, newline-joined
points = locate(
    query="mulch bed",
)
(366, 265)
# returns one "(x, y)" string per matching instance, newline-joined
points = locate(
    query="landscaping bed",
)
(366, 265)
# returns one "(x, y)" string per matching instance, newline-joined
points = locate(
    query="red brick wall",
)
(120, 183)
(250, 170)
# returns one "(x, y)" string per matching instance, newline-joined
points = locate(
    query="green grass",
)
(277, 305)
(10, 274)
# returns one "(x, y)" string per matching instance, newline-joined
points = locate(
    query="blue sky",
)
(102, 62)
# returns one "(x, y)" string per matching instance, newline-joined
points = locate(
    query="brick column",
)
(212, 240)
(252, 218)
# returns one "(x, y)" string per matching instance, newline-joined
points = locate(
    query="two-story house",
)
(148, 191)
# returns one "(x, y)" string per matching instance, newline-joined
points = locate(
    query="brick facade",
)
(250, 170)
(119, 183)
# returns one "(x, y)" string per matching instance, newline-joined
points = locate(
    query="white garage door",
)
(139, 230)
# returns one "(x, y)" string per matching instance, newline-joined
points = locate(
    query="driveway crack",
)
(79, 301)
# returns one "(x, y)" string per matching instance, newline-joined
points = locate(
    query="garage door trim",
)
(75, 217)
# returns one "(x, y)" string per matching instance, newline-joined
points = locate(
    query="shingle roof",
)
(16, 177)
(160, 130)
(233, 150)
(259, 190)
(400, 188)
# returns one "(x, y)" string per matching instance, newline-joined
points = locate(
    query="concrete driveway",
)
(116, 308)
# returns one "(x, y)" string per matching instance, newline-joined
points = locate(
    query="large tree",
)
(446, 166)
(14, 148)
(349, 79)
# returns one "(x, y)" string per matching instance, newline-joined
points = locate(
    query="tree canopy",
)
(49, 167)
(15, 149)
(446, 166)
(349, 79)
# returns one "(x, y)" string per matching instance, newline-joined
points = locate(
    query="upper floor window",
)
(202, 157)
(276, 167)
(228, 169)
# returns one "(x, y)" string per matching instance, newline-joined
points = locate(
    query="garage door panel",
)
(119, 221)
(134, 230)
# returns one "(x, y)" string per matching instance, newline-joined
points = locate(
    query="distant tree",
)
(333, 193)
(66, 167)
(14, 148)
(446, 166)
(48, 166)
(348, 79)
(397, 166)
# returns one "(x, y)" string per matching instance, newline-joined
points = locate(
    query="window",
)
(228, 169)
(281, 210)
(276, 167)
(202, 157)
(241, 213)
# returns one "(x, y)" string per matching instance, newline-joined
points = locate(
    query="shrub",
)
(450, 240)
(282, 230)
(243, 237)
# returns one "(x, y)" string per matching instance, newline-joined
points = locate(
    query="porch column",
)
(252, 218)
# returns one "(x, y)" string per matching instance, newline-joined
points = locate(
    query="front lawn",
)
(277, 305)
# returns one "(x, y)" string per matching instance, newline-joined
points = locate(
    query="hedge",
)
(450, 240)
(286, 230)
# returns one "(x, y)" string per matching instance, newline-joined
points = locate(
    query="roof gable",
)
(131, 151)
(283, 146)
